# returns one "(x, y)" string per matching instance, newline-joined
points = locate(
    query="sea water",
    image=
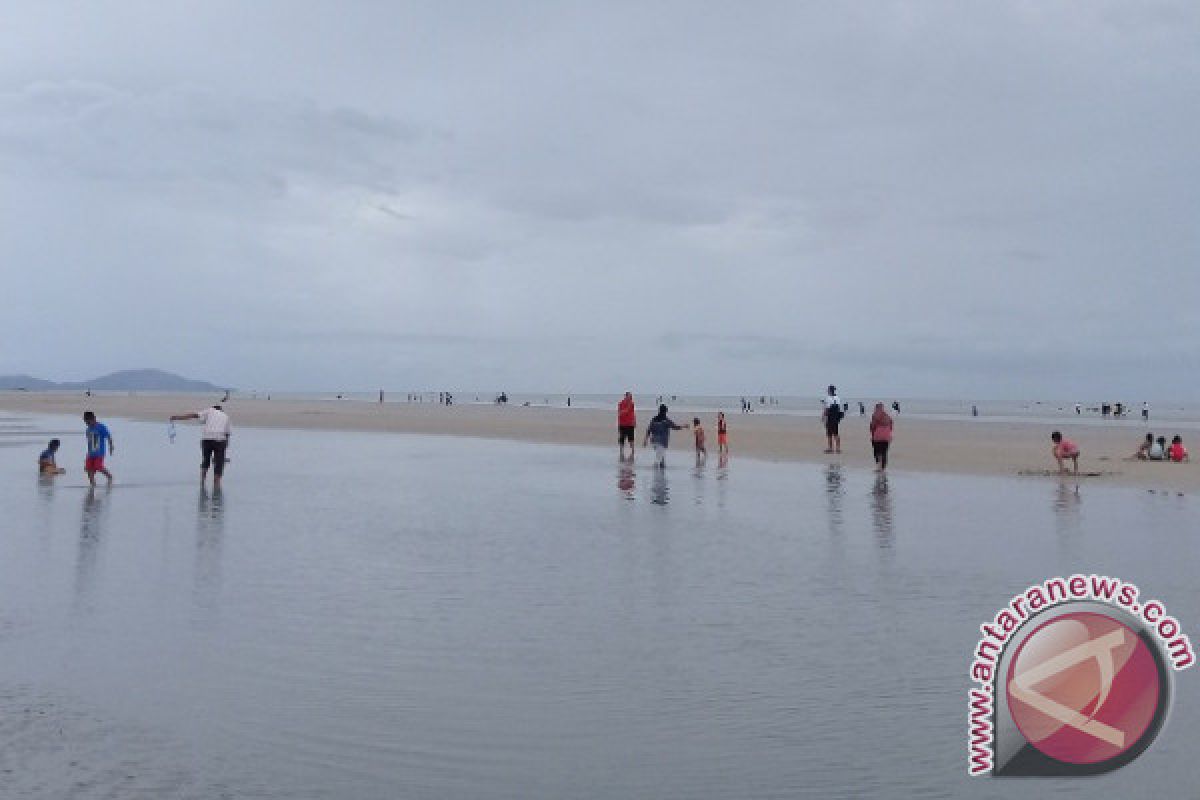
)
(388, 616)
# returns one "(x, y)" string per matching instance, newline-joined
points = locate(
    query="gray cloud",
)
(917, 198)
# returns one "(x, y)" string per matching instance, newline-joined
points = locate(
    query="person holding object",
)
(213, 441)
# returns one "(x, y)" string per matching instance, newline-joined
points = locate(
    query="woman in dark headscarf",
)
(881, 436)
(659, 432)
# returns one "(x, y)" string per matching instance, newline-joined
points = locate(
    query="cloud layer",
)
(925, 199)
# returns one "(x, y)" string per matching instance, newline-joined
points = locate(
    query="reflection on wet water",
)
(210, 535)
(91, 536)
(386, 618)
(660, 491)
(834, 495)
(881, 511)
(627, 478)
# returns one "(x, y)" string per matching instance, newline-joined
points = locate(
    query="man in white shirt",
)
(213, 441)
(832, 415)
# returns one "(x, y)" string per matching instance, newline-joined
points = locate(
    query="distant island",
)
(130, 380)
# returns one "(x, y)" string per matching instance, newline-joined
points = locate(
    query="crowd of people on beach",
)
(217, 431)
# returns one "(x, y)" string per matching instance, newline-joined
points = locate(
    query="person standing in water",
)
(659, 431)
(99, 444)
(881, 436)
(831, 416)
(722, 435)
(214, 441)
(626, 423)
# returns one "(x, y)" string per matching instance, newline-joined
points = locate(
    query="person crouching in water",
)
(47, 465)
(881, 436)
(659, 432)
(1064, 449)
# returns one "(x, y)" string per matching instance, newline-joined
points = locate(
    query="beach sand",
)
(967, 446)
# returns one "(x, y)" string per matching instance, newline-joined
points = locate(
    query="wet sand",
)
(967, 446)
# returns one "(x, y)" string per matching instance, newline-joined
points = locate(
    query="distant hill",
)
(130, 380)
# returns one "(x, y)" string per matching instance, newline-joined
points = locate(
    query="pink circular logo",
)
(1083, 688)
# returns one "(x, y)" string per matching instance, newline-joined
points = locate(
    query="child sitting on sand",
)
(1143, 452)
(1158, 450)
(1177, 452)
(698, 432)
(46, 463)
(1063, 449)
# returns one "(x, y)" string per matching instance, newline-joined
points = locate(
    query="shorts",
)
(625, 432)
(660, 454)
(214, 453)
(93, 464)
(831, 425)
(722, 438)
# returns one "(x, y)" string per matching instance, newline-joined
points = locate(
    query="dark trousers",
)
(214, 454)
(881, 450)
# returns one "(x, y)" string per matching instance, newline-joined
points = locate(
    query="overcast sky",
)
(969, 199)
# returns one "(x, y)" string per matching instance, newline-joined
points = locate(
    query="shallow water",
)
(367, 616)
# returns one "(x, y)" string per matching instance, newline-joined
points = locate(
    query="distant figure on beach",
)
(831, 416)
(881, 436)
(722, 435)
(974, 411)
(47, 465)
(1177, 452)
(896, 406)
(568, 401)
(1064, 449)
(626, 424)
(1143, 451)
(698, 434)
(1119, 410)
(1146, 412)
(1104, 410)
(225, 399)
(1078, 409)
(99, 444)
(862, 410)
(659, 432)
(381, 396)
(214, 440)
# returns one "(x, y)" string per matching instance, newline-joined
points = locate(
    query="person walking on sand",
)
(881, 436)
(626, 424)
(1064, 449)
(1145, 412)
(99, 444)
(214, 440)
(659, 432)
(831, 416)
(722, 435)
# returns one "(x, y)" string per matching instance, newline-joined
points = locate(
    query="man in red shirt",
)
(626, 422)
